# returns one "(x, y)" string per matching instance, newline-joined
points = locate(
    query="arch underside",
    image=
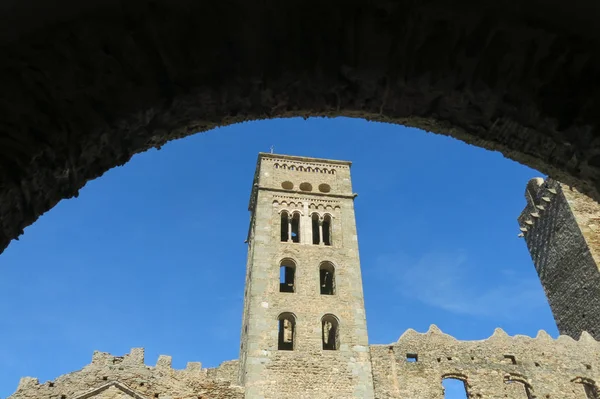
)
(83, 91)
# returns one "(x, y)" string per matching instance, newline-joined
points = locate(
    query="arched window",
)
(287, 330)
(295, 227)
(285, 221)
(287, 276)
(589, 387)
(454, 388)
(517, 385)
(327, 278)
(316, 234)
(330, 332)
(590, 391)
(327, 230)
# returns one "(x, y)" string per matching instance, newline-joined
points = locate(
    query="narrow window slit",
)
(284, 227)
(327, 230)
(296, 227)
(412, 357)
(316, 236)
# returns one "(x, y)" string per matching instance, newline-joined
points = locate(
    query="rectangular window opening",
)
(412, 357)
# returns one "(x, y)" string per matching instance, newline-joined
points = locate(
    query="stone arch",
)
(522, 380)
(590, 388)
(457, 377)
(93, 90)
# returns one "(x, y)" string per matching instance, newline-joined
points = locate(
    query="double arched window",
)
(290, 226)
(287, 277)
(286, 335)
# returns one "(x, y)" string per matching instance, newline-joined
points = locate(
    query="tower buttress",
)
(304, 332)
(562, 230)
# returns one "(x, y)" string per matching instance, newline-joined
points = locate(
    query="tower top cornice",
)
(303, 159)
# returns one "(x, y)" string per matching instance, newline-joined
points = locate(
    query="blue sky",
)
(152, 254)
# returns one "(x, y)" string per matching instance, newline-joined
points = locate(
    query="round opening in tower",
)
(287, 185)
(324, 188)
(306, 187)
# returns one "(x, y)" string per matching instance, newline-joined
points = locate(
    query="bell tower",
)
(304, 332)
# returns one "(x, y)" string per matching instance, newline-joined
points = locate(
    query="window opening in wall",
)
(287, 326)
(287, 274)
(330, 332)
(316, 236)
(523, 387)
(412, 357)
(510, 359)
(327, 278)
(454, 388)
(591, 392)
(284, 227)
(327, 230)
(296, 227)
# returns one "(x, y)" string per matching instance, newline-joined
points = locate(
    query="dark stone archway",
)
(85, 85)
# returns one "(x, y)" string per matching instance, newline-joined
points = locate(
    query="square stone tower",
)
(304, 332)
(562, 230)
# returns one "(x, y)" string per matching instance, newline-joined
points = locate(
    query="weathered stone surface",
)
(562, 230)
(88, 84)
(544, 367)
(314, 190)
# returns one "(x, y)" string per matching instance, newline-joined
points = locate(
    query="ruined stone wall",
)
(516, 367)
(307, 371)
(112, 377)
(560, 227)
(411, 368)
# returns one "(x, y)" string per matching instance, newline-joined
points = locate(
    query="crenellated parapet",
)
(498, 367)
(561, 228)
(539, 195)
(129, 374)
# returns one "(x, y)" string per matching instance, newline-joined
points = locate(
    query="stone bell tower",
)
(304, 332)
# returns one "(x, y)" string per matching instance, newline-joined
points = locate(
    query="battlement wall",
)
(562, 230)
(498, 367)
(129, 375)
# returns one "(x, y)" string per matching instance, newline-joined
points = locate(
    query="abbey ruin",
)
(304, 331)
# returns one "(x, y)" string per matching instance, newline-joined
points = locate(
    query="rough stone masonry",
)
(304, 332)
